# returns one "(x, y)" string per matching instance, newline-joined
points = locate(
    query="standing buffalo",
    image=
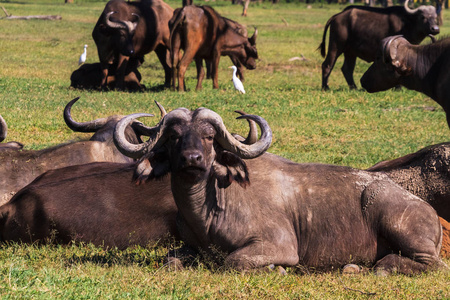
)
(205, 35)
(89, 76)
(19, 168)
(420, 68)
(126, 31)
(3, 133)
(261, 209)
(358, 31)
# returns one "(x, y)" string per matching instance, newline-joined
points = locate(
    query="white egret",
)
(237, 83)
(83, 56)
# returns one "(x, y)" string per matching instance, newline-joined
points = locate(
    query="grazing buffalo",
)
(93, 203)
(126, 31)
(19, 168)
(89, 76)
(3, 133)
(420, 68)
(358, 31)
(261, 209)
(205, 35)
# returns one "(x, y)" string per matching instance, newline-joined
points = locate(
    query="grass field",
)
(342, 126)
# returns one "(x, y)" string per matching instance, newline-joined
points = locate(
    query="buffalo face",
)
(251, 54)
(122, 26)
(389, 67)
(426, 19)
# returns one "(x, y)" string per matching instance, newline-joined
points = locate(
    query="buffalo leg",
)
(406, 226)
(120, 72)
(104, 83)
(200, 73)
(215, 68)
(347, 69)
(328, 65)
(163, 56)
(174, 59)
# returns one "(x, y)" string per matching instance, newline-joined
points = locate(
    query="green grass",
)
(343, 127)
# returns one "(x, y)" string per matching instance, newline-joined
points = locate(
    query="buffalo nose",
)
(435, 29)
(192, 157)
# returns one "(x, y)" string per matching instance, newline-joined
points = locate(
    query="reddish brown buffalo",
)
(205, 35)
(129, 30)
(358, 31)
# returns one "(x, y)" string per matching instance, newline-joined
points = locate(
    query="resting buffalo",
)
(261, 209)
(3, 133)
(358, 31)
(89, 76)
(420, 68)
(129, 30)
(218, 37)
(93, 203)
(19, 168)
(425, 173)
(97, 203)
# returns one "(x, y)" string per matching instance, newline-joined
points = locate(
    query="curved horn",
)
(230, 143)
(135, 23)
(91, 126)
(126, 148)
(433, 38)
(387, 58)
(252, 136)
(3, 129)
(252, 40)
(113, 24)
(409, 10)
(146, 130)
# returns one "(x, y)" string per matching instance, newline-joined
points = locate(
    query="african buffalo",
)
(420, 68)
(99, 203)
(129, 30)
(261, 209)
(19, 168)
(3, 133)
(357, 32)
(217, 37)
(93, 203)
(89, 76)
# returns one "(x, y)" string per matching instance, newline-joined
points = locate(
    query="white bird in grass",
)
(83, 56)
(237, 83)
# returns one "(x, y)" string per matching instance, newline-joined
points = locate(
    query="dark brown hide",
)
(129, 30)
(89, 76)
(358, 31)
(94, 203)
(269, 210)
(420, 68)
(204, 35)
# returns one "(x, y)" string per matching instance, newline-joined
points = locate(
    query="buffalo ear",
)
(229, 167)
(153, 165)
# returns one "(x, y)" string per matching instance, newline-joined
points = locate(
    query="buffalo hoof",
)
(325, 88)
(351, 269)
(279, 269)
(174, 264)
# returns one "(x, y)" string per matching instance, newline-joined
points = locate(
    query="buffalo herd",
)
(189, 178)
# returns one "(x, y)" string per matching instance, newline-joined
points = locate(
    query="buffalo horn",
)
(126, 148)
(3, 129)
(252, 40)
(252, 136)
(387, 58)
(230, 143)
(409, 10)
(91, 126)
(121, 24)
(433, 38)
(146, 130)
